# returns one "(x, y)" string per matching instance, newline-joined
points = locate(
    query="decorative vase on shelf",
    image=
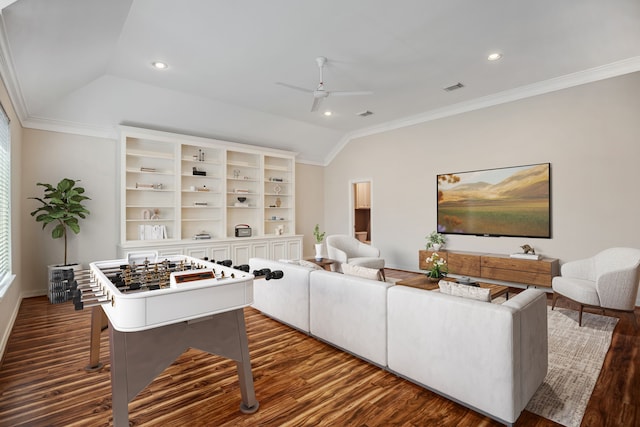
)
(436, 247)
(318, 251)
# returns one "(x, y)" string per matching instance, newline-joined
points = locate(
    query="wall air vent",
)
(364, 113)
(454, 87)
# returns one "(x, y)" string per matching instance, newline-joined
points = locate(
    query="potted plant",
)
(319, 238)
(62, 206)
(435, 241)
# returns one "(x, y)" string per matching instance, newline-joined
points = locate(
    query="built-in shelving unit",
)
(184, 194)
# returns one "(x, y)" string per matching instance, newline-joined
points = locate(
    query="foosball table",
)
(157, 308)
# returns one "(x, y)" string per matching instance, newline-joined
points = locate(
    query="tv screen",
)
(512, 201)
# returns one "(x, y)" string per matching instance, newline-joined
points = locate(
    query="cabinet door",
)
(294, 249)
(240, 253)
(279, 250)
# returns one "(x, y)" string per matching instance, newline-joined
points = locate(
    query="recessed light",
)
(328, 113)
(160, 65)
(494, 56)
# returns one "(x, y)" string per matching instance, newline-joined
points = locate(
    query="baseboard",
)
(7, 333)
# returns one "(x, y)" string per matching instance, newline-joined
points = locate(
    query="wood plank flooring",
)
(299, 381)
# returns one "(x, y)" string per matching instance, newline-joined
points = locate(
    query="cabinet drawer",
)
(464, 264)
(540, 266)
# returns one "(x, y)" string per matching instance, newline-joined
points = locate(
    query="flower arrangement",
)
(436, 240)
(438, 267)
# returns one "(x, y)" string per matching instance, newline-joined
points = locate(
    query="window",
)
(5, 202)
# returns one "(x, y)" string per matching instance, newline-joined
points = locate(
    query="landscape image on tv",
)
(513, 201)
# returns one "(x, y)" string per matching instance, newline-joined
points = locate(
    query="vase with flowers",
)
(435, 241)
(437, 267)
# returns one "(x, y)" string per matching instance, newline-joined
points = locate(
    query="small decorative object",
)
(277, 189)
(236, 173)
(242, 199)
(435, 241)
(278, 202)
(528, 249)
(156, 214)
(198, 172)
(438, 267)
(319, 238)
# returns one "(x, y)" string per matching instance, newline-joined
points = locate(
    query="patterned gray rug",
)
(576, 355)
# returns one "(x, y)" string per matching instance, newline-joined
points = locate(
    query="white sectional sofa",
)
(489, 357)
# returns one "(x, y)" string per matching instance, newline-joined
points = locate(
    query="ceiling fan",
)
(320, 93)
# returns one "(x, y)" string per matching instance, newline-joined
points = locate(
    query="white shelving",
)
(192, 186)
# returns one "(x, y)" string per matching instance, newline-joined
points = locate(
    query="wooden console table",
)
(497, 267)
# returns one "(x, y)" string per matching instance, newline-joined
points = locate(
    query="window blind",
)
(5, 199)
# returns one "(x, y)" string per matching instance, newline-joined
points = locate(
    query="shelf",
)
(242, 164)
(277, 168)
(158, 172)
(150, 154)
(150, 220)
(200, 207)
(199, 220)
(151, 190)
(206, 162)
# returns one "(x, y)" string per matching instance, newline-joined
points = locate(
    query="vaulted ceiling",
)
(84, 66)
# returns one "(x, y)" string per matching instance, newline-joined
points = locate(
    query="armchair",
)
(608, 280)
(349, 250)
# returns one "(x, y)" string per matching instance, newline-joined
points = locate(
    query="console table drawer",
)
(528, 272)
(464, 264)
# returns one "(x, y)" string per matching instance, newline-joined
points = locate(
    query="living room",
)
(587, 130)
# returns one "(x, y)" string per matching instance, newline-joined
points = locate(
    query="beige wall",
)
(310, 197)
(590, 134)
(10, 301)
(49, 157)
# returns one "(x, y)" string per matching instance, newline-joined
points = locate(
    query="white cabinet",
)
(177, 187)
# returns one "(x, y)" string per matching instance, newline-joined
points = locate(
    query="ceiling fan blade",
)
(316, 104)
(350, 93)
(301, 89)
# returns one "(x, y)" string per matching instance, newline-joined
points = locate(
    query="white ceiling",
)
(84, 66)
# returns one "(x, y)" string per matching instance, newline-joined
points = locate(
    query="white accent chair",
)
(608, 280)
(349, 250)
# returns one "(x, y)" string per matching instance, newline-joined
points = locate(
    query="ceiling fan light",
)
(328, 113)
(494, 56)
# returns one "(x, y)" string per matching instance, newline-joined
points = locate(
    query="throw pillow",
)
(310, 264)
(465, 291)
(359, 271)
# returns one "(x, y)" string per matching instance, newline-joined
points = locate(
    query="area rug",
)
(576, 355)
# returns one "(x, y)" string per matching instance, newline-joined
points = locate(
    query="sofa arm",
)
(531, 308)
(618, 289)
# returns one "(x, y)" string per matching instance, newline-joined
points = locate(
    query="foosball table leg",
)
(98, 323)
(249, 403)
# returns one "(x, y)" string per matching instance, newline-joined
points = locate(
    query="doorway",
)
(361, 191)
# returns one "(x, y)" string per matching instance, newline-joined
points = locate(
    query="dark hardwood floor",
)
(299, 381)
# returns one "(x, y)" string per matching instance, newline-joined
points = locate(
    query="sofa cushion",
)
(465, 291)
(359, 271)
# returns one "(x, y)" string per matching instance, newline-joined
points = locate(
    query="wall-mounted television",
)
(511, 201)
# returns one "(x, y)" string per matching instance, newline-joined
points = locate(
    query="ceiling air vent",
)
(454, 87)
(364, 113)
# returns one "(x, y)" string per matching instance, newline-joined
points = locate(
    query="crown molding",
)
(75, 128)
(614, 69)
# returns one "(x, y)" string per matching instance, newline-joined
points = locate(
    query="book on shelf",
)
(526, 256)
